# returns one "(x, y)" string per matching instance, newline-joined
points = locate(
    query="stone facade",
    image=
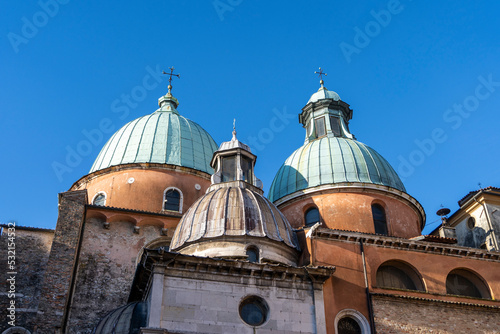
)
(188, 294)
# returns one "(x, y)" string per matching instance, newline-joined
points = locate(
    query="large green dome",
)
(330, 160)
(163, 137)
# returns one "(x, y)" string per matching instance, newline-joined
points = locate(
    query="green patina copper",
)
(163, 137)
(331, 160)
(330, 153)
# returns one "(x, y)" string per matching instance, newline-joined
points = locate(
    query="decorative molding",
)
(406, 244)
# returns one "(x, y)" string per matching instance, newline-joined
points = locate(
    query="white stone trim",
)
(181, 199)
(361, 320)
(100, 193)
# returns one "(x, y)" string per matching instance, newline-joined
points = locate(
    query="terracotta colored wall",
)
(433, 268)
(352, 211)
(346, 289)
(146, 193)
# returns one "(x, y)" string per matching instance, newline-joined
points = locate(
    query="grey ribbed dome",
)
(233, 211)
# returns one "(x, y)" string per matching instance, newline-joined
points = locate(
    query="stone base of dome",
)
(236, 247)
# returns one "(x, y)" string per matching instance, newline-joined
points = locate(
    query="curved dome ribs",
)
(162, 137)
(331, 160)
(233, 211)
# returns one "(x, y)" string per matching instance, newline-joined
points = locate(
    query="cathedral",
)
(170, 232)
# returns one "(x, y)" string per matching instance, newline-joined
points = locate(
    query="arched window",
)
(463, 282)
(379, 219)
(253, 254)
(99, 199)
(350, 321)
(348, 325)
(398, 275)
(311, 216)
(172, 200)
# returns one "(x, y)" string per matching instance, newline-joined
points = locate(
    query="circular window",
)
(254, 311)
(471, 223)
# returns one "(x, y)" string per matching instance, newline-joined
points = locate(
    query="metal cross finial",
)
(320, 74)
(170, 77)
(234, 129)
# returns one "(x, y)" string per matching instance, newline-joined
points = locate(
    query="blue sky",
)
(421, 76)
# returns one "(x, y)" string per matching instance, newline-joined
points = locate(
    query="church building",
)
(170, 232)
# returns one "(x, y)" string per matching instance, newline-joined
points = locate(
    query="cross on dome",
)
(170, 77)
(320, 74)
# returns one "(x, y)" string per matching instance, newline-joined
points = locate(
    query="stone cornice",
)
(224, 270)
(406, 244)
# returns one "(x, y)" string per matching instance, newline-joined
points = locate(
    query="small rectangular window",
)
(246, 167)
(228, 168)
(319, 124)
(335, 124)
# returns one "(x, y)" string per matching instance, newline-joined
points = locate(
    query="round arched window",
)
(312, 216)
(465, 283)
(254, 311)
(253, 254)
(100, 199)
(348, 325)
(398, 275)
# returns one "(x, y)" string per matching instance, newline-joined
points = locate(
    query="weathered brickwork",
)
(32, 247)
(106, 269)
(396, 316)
(63, 255)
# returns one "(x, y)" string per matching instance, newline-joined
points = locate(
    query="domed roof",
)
(330, 160)
(162, 137)
(127, 319)
(324, 93)
(233, 211)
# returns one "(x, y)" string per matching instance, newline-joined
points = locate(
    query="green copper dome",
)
(163, 137)
(332, 160)
(330, 154)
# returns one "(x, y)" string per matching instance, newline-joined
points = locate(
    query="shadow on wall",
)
(476, 237)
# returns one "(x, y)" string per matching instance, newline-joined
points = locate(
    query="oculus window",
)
(254, 311)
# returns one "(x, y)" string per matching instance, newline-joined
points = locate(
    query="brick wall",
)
(59, 273)
(396, 316)
(32, 247)
(106, 268)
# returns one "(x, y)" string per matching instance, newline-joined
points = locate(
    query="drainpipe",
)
(367, 289)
